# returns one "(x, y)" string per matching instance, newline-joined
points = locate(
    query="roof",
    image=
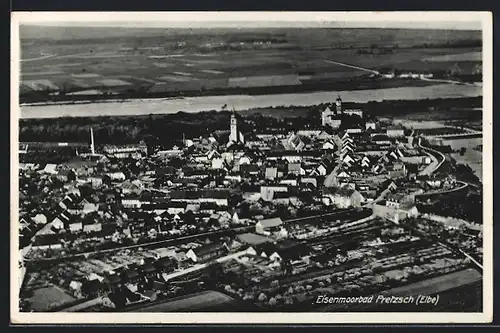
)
(269, 223)
(345, 191)
(271, 172)
(206, 249)
(395, 196)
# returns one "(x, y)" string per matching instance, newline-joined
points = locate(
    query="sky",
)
(408, 20)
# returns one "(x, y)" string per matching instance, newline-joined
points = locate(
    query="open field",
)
(437, 284)
(45, 297)
(155, 60)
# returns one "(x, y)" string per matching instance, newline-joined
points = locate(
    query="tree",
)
(262, 297)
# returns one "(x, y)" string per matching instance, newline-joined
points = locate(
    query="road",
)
(447, 81)
(433, 167)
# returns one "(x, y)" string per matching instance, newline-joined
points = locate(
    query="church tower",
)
(234, 128)
(338, 104)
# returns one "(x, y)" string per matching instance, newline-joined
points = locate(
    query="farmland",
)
(153, 62)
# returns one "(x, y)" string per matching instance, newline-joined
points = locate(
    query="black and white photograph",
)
(251, 167)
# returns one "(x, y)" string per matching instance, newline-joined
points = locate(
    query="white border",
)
(302, 19)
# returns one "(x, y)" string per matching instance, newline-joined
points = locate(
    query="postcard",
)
(251, 167)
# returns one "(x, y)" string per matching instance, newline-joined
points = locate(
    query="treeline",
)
(141, 91)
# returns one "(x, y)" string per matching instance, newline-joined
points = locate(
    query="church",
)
(235, 136)
(333, 118)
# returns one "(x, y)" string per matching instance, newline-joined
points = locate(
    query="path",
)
(42, 57)
(431, 168)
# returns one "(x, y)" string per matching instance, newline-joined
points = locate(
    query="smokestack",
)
(92, 148)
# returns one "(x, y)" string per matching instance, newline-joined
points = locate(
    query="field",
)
(438, 284)
(154, 61)
(46, 297)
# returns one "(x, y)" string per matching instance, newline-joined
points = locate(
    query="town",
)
(266, 219)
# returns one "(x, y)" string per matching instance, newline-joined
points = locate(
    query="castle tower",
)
(92, 147)
(338, 104)
(234, 128)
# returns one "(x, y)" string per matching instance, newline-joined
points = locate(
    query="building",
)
(269, 226)
(125, 151)
(235, 136)
(354, 112)
(395, 132)
(330, 118)
(346, 197)
(370, 125)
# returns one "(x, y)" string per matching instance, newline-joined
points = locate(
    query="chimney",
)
(92, 147)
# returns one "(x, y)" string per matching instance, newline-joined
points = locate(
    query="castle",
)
(334, 118)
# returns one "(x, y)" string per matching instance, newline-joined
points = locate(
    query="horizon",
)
(264, 19)
(458, 26)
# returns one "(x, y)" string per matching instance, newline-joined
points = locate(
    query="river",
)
(243, 102)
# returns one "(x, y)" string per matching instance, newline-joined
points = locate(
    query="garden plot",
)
(39, 85)
(163, 64)
(175, 78)
(86, 75)
(211, 71)
(469, 56)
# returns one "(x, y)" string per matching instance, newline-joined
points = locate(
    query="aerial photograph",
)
(247, 167)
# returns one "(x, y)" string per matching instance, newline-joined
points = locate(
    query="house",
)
(116, 176)
(346, 197)
(271, 173)
(207, 252)
(96, 181)
(395, 131)
(244, 160)
(370, 125)
(129, 187)
(93, 227)
(412, 171)
(66, 174)
(268, 226)
(329, 145)
(50, 169)
(131, 201)
(395, 213)
(75, 227)
(40, 219)
(394, 200)
(284, 198)
(295, 169)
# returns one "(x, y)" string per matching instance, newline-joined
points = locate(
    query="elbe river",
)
(243, 102)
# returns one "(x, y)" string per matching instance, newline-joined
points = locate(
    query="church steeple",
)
(338, 104)
(92, 147)
(234, 128)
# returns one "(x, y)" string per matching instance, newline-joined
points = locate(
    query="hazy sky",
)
(420, 20)
(400, 25)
